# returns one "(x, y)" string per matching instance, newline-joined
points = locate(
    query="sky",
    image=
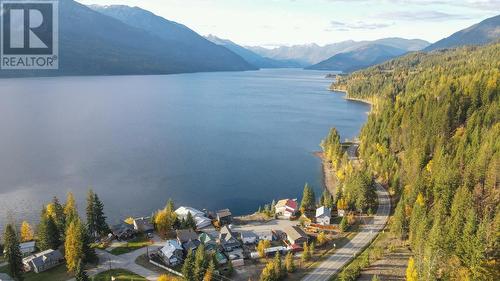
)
(271, 23)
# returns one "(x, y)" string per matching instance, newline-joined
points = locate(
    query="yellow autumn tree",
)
(165, 277)
(322, 239)
(411, 271)
(73, 245)
(26, 232)
(262, 246)
(70, 211)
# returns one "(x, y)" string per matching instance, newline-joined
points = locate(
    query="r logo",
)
(29, 31)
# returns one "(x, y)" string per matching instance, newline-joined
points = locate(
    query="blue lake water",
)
(208, 140)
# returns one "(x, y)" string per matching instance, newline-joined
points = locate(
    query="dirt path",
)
(391, 267)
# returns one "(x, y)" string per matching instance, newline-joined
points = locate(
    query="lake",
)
(209, 140)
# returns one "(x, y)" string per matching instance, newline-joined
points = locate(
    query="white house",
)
(265, 235)
(172, 252)
(248, 237)
(287, 207)
(198, 216)
(323, 215)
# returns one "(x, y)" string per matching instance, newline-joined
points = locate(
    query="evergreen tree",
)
(343, 226)
(100, 219)
(80, 274)
(210, 271)
(56, 211)
(48, 235)
(308, 199)
(188, 267)
(73, 245)
(306, 253)
(278, 266)
(89, 254)
(200, 263)
(13, 253)
(90, 212)
(190, 222)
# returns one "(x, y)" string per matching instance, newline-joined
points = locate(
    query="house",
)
(323, 215)
(224, 217)
(295, 235)
(123, 231)
(228, 239)
(208, 241)
(188, 239)
(43, 261)
(172, 253)
(198, 216)
(220, 258)
(265, 235)
(27, 248)
(287, 208)
(248, 237)
(143, 224)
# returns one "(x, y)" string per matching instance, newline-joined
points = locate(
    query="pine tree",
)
(306, 253)
(200, 263)
(343, 226)
(80, 274)
(190, 222)
(56, 211)
(73, 245)
(102, 227)
(26, 232)
(278, 266)
(188, 267)
(13, 253)
(289, 262)
(308, 199)
(48, 235)
(90, 212)
(89, 254)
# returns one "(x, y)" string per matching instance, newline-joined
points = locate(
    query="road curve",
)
(334, 263)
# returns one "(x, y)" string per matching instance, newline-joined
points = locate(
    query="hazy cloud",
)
(422, 16)
(359, 25)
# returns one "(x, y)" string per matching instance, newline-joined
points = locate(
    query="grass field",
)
(55, 274)
(119, 275)
(132, 245)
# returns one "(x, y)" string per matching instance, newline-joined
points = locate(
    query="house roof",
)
(323, 211)
(264, 233)
(206, 238)
(248, 234)
(121, 227)
(27, 245)
(143, 223)
(295, 232)
(223, 213)
(199, 216)
(226, 235)
(185, 235)
(170, 247)
(287, 203)
(41, 258)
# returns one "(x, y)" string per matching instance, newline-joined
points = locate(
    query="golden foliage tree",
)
(262, 246)
(411, 271)
(70, 211)
(26, 232)
(73, 245)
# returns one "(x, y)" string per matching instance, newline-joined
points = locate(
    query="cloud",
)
(422, 16)
(475, 4)
(359, 25)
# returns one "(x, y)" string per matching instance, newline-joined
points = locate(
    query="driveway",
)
(334, 263)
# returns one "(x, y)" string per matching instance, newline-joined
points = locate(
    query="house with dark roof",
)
(208, 241)
(224, 217)
(123, 231)
(228, 239)
(43, 261)
(143, 224)
(295, 235)
(323, 215)
(188, 239)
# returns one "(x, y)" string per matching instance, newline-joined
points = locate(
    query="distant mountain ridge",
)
(481, 33)
(362, 57)
(91, 43)
(310, 54)
(252, 57)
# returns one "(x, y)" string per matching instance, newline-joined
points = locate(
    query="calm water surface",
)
(209, 140)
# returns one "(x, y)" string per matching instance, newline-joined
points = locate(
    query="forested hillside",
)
(434, 138)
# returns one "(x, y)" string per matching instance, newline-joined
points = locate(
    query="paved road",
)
(334, 263)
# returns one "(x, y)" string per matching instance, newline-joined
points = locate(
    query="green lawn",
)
(55, 274)
(132, 245)
(119, 275)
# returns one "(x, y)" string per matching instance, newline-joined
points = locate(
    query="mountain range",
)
(123, 40)
(252, 57)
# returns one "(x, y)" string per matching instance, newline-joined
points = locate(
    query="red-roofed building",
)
(287, 207)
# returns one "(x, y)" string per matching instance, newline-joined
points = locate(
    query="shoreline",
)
(346, 96)
(329, 178)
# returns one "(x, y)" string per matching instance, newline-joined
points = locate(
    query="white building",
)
(265, 235)
(323, 215)
(248, 237)
(287, 208)
(199, 216)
